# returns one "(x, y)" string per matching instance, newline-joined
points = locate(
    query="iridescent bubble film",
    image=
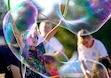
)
(9, 36)
(84, 14)
(21, 15)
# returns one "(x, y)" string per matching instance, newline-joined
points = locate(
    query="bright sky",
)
(13, 3)
(46, 5)
(42, 3)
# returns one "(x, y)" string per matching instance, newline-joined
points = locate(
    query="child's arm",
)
(52, 32)
(17, 35)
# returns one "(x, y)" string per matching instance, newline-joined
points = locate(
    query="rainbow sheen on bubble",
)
(8, 33)
(20, 18)
(84, 14)
(21, 15)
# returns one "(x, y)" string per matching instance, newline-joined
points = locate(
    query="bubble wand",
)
(66, 7)
(8, 5)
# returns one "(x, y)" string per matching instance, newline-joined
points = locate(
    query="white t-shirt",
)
(96, 51)
(40, 39)
(53, 45)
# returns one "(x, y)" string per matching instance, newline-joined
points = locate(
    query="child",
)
(89, 48)
(98, 69)
(51, 66)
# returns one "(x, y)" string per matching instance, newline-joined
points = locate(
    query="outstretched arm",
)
(17, 35)
(52, 32)
(85, 71)
(16, 71)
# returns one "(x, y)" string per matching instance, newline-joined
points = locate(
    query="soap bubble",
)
(18, 20)
(74, 15)
(22, 21)
(90, 15)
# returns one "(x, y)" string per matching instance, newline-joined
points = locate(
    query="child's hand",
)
(88, 74)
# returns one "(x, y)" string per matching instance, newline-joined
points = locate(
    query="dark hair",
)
(98, 68)
(105, 62)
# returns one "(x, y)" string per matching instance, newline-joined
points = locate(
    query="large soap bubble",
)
(22, 19)
(75, 15)
(84, 14)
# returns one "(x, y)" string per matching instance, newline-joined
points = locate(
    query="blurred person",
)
(9, 64)
(31, 47)
(53, 47)
(51, 66)
(39, 49)
(102, 68)
(36, 49)
(31, 73)
(89, 48)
